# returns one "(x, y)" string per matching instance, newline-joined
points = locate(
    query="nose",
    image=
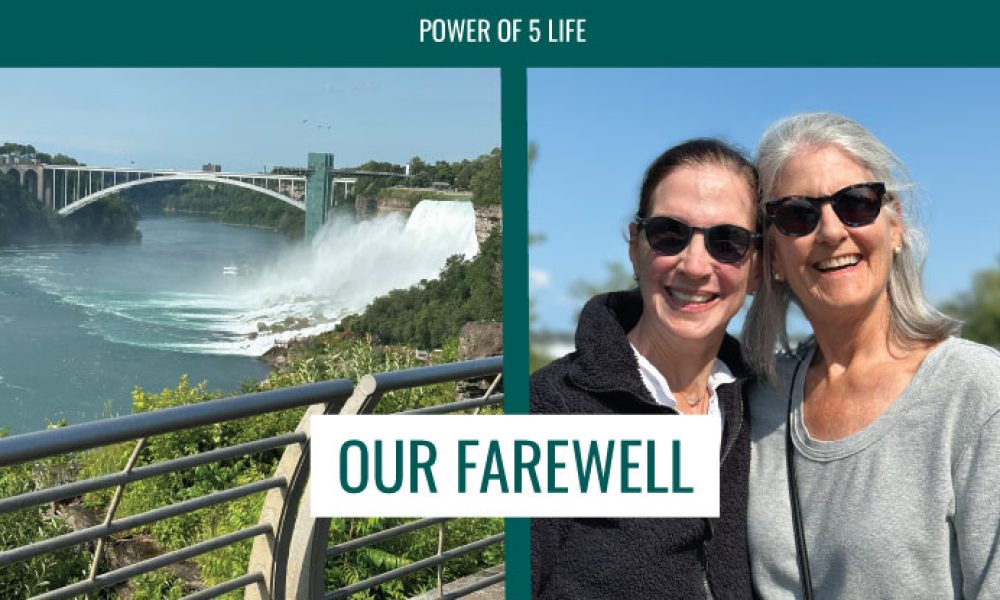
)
(695, 260)
(831, 229)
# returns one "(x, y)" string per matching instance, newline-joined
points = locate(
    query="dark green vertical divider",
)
(514, 133)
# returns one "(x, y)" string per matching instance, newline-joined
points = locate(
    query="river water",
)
(82, 325)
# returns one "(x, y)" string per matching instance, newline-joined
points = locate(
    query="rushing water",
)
(83, 325)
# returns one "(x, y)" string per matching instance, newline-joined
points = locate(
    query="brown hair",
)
(692, 153)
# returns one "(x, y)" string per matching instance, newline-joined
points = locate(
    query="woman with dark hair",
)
(663, 349)
(876, 445)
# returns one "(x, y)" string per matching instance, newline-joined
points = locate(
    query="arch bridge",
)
(68, 188)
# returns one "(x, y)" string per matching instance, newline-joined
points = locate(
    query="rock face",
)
(488, 219)
(478, 339)
(122, 551)
(366, 207)
(385, 206)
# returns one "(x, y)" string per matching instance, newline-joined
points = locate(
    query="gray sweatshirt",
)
(908, 507)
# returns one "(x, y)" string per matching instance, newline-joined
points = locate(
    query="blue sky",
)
(245, 119)
(597, 130)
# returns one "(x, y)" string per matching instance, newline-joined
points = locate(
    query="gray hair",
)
(912, 317)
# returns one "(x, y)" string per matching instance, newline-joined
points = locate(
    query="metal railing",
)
(290, 550)
(370, 390)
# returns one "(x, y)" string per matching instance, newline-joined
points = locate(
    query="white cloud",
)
(538, 279)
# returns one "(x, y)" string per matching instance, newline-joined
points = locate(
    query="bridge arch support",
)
(6, 170)
(94, 197)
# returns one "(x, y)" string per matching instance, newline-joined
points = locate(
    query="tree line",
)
(480, 176)
(430, 313)
(25, 220)
(42, 157)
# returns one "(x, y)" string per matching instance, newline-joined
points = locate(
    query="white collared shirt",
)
(657, 385)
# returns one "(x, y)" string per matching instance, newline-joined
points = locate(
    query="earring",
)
(778, 277)
(896, 250)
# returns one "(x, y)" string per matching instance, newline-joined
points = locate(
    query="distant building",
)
(440, 185)
(18, 158)
(211, 168)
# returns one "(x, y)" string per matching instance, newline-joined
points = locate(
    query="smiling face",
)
(692, 296)
(838, 273)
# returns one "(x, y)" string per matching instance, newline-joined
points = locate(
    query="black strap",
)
(801, 553)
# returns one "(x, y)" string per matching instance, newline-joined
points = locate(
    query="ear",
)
(896, 225)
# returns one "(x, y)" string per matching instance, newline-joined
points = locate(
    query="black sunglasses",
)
(855, 205)
(725, 243)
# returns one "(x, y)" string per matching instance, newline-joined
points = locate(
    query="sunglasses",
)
(725, 243)
(856, 206)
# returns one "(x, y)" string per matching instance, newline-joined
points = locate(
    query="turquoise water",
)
(82, 325)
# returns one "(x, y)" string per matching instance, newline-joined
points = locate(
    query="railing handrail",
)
(100, 482)
(272, 531)
(419, 376)
(51, 442)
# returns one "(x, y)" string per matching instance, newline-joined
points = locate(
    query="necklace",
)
(693, 399)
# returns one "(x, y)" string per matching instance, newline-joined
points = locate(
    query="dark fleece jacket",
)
(639, 558)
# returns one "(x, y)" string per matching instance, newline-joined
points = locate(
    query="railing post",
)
(293, 559)
(440, 567)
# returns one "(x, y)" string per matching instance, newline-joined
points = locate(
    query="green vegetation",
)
(43, 157)
(429, 313)
(481, 176)
(23, 220)
(486, 183)
(979, 308)
(413, 196)
(34, 576)
(111, 219)
(237, 206)
(324, 357)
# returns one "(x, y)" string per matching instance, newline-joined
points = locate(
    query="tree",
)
(980, 308)
(617, 277)
(15, 148)
(433, 311)
(463, 177)
(486, 184)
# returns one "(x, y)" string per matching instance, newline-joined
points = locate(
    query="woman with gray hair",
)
(876, 444)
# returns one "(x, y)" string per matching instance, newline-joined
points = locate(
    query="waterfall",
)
(349, 264)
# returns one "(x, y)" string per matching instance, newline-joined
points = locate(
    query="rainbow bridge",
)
(68, 188)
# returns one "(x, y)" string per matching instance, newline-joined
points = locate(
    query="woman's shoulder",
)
(768, 398)
(957, 361)
(966, 376)
(548, 387)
